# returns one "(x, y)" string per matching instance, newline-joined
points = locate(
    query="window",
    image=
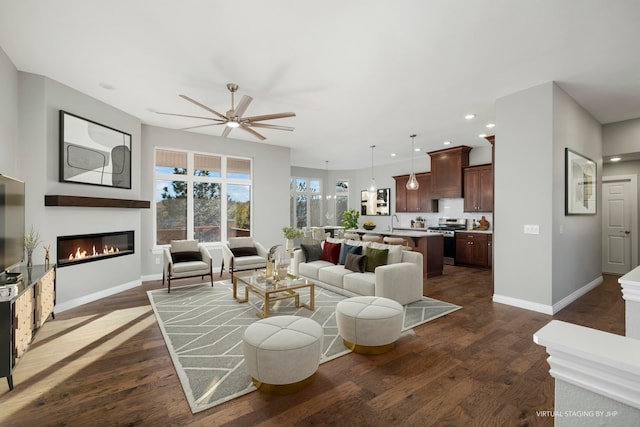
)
(306, 202)
(201, 196)
(342, 199)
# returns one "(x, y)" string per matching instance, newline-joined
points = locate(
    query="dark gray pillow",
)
(312, 252)
(186, 256)
(244, 251)
(355, 262)
(349, 249)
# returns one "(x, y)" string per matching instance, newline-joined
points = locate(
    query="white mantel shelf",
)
(601, 362)
(630, 283)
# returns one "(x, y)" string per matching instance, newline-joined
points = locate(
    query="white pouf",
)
(282, 353)
(369, 325)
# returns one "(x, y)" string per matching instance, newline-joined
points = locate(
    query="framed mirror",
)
(379, 204)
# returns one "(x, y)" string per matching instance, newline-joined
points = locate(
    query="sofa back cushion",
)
(375, 258)
(331, 252)
(311, 252)
(348, 249)
(355, 262)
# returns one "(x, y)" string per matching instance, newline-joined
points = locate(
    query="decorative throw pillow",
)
(348, 249)
(245, 251)
(186, 256)
(375, 258)
(355, 262)
(331, 252)
(311, 252)
(395, 252)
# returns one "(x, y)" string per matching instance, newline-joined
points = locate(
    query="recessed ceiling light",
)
(482, 135)
(447, 143)
(393, 154)
(470, 116)
(491, 125)
(615, 159)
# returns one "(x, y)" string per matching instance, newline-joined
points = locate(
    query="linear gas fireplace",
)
(93, 247)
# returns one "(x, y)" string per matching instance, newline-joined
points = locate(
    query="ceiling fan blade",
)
(243, 104)
(268, 117)
(253, 132)
(268, 126)
(203, 106)
(193, 117)
(202, 126)
(227, 129)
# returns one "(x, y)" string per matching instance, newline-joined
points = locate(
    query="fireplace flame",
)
(81, 254)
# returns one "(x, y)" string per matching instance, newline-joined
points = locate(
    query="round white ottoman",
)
(369, 325)
(282, 353)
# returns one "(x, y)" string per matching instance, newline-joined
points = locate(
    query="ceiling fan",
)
(234, 117)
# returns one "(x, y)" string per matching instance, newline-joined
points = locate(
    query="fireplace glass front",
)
(93, 247)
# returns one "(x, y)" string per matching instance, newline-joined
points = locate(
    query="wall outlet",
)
(531, 229)
(157, 260)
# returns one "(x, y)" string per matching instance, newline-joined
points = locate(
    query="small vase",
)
(29, 258)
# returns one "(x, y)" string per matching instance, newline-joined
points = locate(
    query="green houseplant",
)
(291, 233)
(350, 218)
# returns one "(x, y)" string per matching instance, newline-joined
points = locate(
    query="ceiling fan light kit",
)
(412, 183)
(235, 116)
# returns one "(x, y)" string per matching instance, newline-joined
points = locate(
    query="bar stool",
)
(390, 240)
(371, 238)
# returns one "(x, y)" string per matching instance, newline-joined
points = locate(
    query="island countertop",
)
(399, 232)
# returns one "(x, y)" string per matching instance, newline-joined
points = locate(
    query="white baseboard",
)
(521, 303)
(150, 277)
(76, 302)
(545, 308)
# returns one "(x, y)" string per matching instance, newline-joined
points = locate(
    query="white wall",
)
(8, 117)
(541, 271)
(271, 169)
(40, 101)
(621, 137)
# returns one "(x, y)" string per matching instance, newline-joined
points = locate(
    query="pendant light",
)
(328, 196)
(412, 184)
(372, 186)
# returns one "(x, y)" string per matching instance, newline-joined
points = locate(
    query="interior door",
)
(617, 226)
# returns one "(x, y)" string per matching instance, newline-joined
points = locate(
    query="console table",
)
(23, 315)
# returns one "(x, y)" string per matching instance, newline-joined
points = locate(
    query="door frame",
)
(633, 179)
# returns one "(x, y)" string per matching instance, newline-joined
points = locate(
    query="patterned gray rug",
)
(203, 328)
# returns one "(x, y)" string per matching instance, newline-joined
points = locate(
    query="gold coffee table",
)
(269, 290)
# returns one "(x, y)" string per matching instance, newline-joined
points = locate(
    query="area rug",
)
(203, 328)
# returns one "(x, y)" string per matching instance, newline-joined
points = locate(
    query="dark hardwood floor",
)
(106, 364)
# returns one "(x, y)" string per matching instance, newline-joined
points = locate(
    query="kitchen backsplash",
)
(448, 208)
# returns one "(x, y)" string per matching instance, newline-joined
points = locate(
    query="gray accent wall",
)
(538, 271)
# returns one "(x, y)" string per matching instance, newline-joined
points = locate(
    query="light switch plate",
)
(531, 229)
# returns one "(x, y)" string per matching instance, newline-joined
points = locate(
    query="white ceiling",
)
(356, 73)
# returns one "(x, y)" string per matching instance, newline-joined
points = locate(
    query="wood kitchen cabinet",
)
(472, 249)
(415, 201)
(446, 172)
(478, 188)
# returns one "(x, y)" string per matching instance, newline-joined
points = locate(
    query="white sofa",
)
(400, 279)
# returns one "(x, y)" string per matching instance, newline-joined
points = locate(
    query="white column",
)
(630, 284)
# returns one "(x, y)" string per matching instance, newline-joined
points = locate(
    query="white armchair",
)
(243, 253)
(186, 258)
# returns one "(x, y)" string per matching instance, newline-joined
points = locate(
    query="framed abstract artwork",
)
(94, 154)
(580, 184)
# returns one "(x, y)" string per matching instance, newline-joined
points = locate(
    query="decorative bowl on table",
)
(368, 225)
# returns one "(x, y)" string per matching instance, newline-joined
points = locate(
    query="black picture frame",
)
(93, 154)
(381, 205)
(581, 189)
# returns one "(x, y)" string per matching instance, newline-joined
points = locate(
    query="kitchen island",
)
(429, 243)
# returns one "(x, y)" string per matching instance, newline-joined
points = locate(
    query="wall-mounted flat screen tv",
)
(11, 222)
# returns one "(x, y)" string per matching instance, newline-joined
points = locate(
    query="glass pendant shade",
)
(412, 184)
(372, 186)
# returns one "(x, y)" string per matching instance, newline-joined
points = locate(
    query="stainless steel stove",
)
(448, 227)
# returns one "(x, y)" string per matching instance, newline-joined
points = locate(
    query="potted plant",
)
(419, 222)
(369, 225)
(290, 233)
(31, 241)
(350, 219)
